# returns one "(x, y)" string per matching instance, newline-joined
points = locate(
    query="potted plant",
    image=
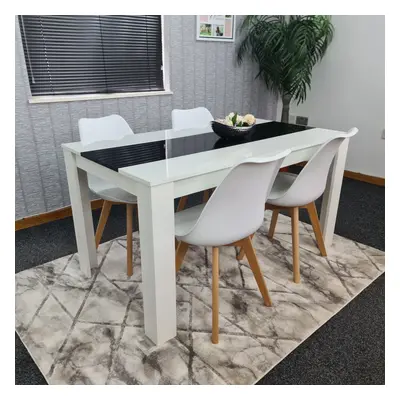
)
(286, 48)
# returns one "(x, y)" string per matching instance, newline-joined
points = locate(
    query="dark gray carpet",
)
(349, 349)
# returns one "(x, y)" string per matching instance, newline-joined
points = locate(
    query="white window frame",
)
(104, 96)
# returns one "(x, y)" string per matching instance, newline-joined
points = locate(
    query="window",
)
(78, 54)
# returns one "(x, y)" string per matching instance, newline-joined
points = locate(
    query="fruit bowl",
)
(230, 132)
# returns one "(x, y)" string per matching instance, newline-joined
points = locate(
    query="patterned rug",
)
(90, 331)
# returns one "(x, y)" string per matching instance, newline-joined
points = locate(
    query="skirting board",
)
(375, 180)
(40, 219)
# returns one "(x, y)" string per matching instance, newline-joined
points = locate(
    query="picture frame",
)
(220, 28)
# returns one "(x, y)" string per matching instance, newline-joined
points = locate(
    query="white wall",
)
(348, 89)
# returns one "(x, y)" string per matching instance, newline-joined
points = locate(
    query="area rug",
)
(90, 331)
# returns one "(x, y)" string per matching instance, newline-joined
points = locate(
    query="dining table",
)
(158, 167)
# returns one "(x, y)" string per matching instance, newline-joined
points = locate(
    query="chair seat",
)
(116, 194)
(186, 219)
(281, 185)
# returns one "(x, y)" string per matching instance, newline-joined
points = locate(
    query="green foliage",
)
(286, 48)
(234, 118)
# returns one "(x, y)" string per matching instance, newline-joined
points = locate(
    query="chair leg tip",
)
(215, 336)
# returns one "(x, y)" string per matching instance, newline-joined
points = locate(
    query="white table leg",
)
(81, 213)
(157, 249)
(330, 201)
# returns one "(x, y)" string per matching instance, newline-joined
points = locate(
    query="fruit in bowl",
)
(233, 126)
(237, 121)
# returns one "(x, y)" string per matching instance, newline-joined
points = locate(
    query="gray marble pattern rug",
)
(90, 331)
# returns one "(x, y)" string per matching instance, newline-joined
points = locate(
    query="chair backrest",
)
(198, 117)
(111, 127)
(236, 208)
(91, 130)
(311, 181)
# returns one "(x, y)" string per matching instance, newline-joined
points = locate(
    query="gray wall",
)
(202, 74)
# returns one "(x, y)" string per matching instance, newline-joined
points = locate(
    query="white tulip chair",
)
(198, 117)
(291, 192)
(112, 127)
(231, 216)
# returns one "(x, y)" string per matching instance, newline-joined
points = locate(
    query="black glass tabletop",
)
(141, 153)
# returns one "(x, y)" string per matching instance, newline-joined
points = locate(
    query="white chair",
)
(198, 117)
(233, 213)
(291, 192)
(112, 127)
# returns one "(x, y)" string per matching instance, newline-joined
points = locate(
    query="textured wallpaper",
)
(201, 73)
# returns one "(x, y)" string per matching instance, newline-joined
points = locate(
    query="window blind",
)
(84, 54)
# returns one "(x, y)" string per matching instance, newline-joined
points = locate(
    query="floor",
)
(338, 353)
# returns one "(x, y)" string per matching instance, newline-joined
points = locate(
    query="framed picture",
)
(216, 27)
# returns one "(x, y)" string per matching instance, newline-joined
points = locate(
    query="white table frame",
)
(156, 215)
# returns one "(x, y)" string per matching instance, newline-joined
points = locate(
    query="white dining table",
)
(156, 184)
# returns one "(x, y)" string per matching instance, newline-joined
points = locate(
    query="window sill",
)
(103, 96)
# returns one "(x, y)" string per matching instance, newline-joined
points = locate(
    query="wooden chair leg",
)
(105, 212)
(295, 244)
(274, 220)
(215, 294)
(182, 203)
(129, 239)
(312, 212)
(242, 253)
(206, 195)
(255, 267)
(180, 254)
